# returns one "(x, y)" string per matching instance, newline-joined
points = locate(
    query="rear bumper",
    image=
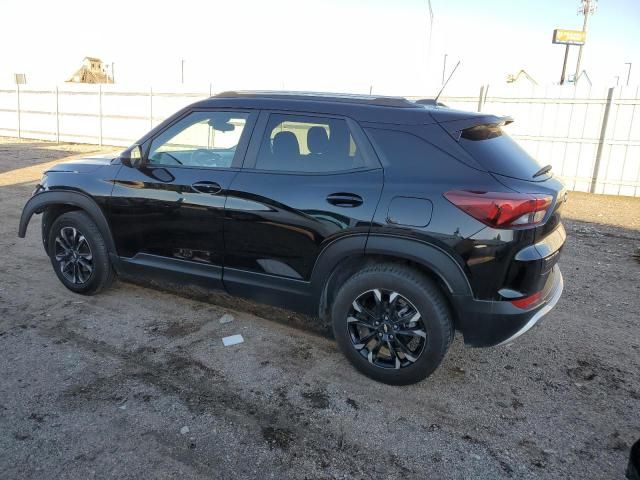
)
(488, 323)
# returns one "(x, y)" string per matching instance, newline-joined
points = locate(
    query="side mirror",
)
(132, 156)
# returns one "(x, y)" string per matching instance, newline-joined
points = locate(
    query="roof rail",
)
(320, 96)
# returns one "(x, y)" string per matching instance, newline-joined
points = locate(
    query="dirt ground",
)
(104, 386)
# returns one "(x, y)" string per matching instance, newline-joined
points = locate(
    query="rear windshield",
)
(499, 153)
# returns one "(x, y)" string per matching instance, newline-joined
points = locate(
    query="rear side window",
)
(496, 151)
(312, 144)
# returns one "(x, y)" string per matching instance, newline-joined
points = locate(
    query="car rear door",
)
(307, 181)
(168, 213)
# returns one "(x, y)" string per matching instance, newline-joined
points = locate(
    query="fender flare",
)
(334, 253)
(39, 202)
(430, 256)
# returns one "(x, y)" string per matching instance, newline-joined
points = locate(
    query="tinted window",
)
(499, 153)
(201, 139)
(307, 144)
(401, 148)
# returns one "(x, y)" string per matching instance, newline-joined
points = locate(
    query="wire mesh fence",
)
(591, 136)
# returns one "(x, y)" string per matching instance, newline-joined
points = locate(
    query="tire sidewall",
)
(423, 299)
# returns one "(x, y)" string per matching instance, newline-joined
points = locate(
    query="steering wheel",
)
(206, 158)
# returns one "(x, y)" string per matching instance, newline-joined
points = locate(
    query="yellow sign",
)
(569, 37)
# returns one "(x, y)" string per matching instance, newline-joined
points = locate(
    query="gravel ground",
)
(135, 383)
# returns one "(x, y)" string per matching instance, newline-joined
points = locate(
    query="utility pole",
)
(182, 70)
(628, 72)
(588, 7)
(113, 72)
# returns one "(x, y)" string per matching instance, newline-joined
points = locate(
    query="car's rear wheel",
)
(78, 253)
(392, 323)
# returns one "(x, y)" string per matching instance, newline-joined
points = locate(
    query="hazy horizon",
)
(330, 45)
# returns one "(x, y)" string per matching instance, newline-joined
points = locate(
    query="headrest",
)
(285, 144)
(317, 140)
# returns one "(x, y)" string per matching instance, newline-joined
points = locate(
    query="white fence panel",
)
(562, 126)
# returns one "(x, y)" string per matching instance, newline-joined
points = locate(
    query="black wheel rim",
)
(386, 329)
(73, 255)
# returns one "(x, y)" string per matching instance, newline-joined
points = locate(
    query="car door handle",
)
(211, 188)
(345, 200)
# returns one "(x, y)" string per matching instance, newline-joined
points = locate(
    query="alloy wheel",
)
(73, 254)
(386, 329)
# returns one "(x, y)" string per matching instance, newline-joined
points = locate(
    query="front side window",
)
(308, 144)
(201, 139)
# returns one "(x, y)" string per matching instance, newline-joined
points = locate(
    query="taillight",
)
(501, 209)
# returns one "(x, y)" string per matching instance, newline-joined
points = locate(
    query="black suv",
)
(398, 221)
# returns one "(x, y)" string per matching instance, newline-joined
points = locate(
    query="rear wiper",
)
(542, 171)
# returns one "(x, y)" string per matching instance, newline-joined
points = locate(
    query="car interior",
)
(301, 146)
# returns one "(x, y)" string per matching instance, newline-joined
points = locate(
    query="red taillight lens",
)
(527, 301)
(501, 209)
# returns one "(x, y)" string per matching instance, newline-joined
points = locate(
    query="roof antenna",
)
(446, 83)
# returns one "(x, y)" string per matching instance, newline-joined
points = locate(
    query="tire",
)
(87, 271)
(397, 353)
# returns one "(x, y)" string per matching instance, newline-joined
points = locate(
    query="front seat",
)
(317, 141)
(318, 144)
(286, 151)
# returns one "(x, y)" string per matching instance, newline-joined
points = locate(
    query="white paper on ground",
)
(232, 340)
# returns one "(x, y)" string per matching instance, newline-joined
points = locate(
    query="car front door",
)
(307, 181)
(168, 212)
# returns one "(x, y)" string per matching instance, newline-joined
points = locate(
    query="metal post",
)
(182, 70)
(481, 99)
(151, 107)
(18, 109)
(100, 112)
(444, 68)
(564, 65)
(210, 89)
(603, 134)
(628, 72)
(430, 35)
(57, 116)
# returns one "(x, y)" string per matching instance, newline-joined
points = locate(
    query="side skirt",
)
(291, 294)
(169, 269)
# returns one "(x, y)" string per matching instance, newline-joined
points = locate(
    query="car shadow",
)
(306, 323)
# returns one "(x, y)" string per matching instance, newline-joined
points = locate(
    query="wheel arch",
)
(427, 256)
(59, 202)
(344, 260)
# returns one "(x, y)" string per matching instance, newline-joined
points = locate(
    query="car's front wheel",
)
(392, 323)
(78, 253)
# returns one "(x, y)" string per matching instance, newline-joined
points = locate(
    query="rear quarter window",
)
(497, 152)
(395, 147)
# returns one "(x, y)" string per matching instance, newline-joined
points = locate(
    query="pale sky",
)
(328, 45)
